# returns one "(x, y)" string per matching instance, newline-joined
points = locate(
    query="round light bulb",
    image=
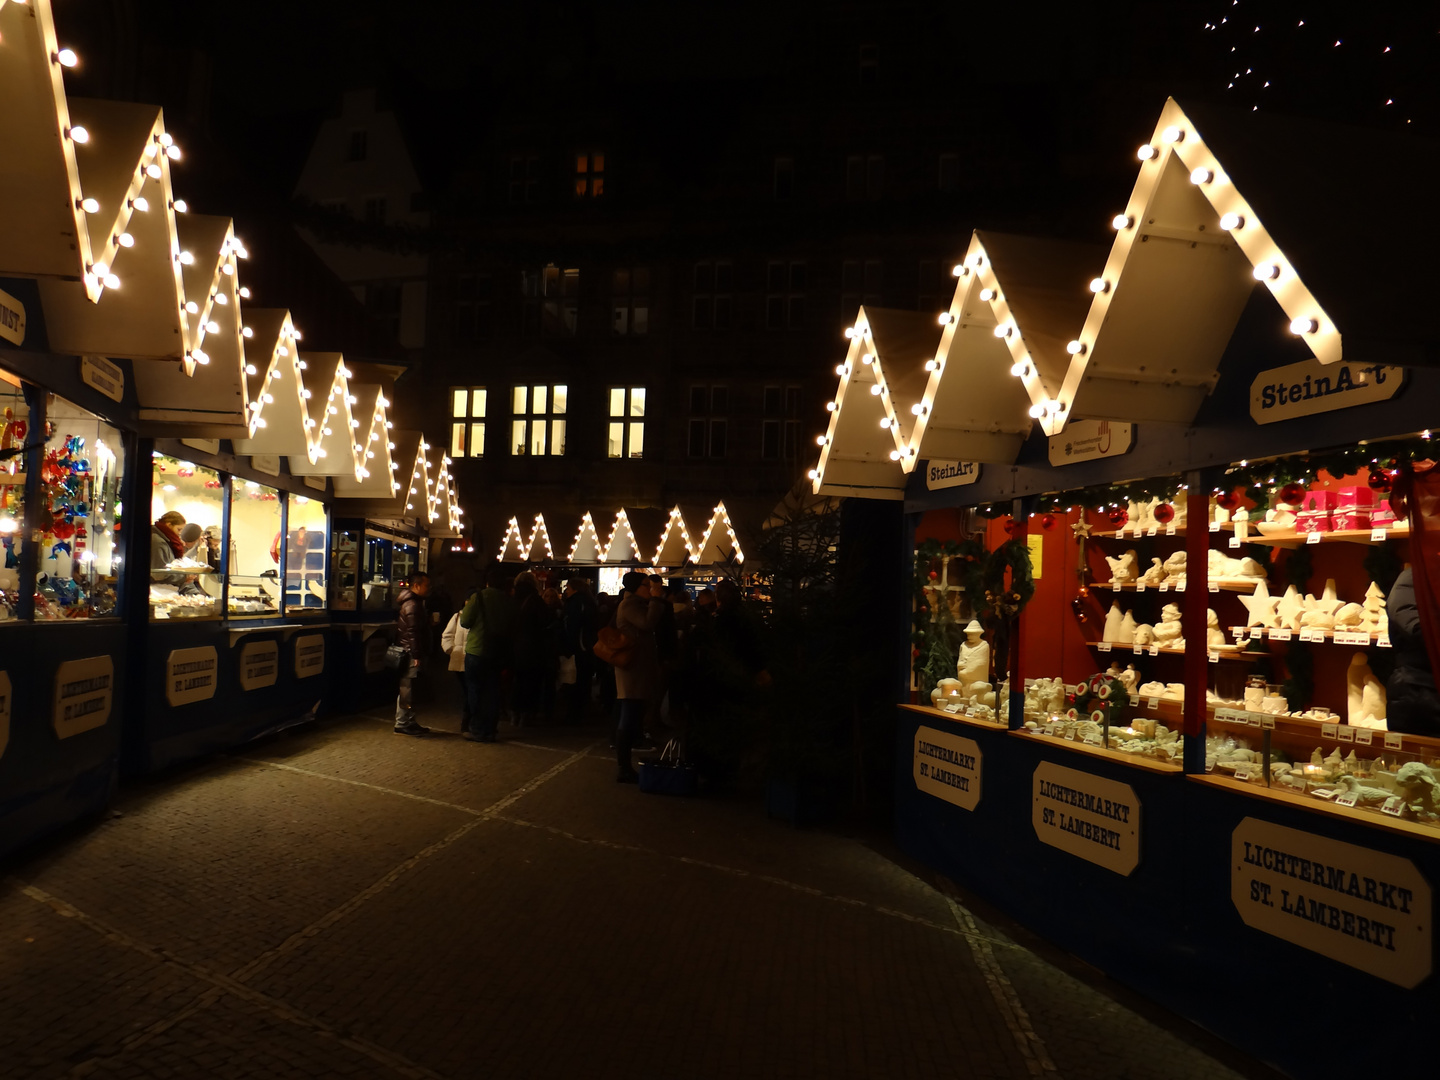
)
(140, 203)
(186, 258)
(945, 318)
(90, 206)
(1266, 271)
(1099, 285)
(100, 269)
(929, 365)
(814, 474)
(885, 423)
(1230, 222)
(849, 332)
(1201, 175)
(79, 134)
(958, 270)
(894, 455)
(1172, 134)
(1037, 410)
(987, 295)
(111, 281)
(916, 409)
(247, 332)
(830, 406)
(875, 389)
(172, 152)
(152, 171)
(1002, 331)
(1145, 153)
(839, 369)
(1120, 221)
(1075, 348)
(1019, 368)
(212, 327)
(249, 369)
(66, 58)
(1303, 325)
(819, 440)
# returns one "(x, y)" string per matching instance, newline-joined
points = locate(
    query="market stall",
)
(1192, 792)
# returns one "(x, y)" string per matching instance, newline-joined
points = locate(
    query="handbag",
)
(669, 774)
(615, 647)
(566, 675)
(396, 657)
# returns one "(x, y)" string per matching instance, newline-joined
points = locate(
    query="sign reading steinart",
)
(1088, 816)
(12, 319)
(259, 664)
(309, 655)
(190, 675)
(1086, 440)
(1311, 387)
(948, 474)
(948, 767)
(1363, 908)
(83, 692)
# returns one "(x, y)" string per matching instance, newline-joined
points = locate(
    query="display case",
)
(305, 554)
(388, 562)
(345, 569)
(255, 549)
(187, 572)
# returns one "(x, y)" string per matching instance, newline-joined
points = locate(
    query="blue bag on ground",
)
(669, 774)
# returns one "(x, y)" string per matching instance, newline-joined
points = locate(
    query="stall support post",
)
(1020, 510)
(905, 669)
(1193, 620)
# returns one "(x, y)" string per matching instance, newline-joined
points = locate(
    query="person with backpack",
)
(489, 621)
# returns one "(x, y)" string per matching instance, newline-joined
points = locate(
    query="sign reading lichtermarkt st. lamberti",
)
(948, 474)
(83, 692)
(1311, 387)
(190, 675)
(1363, 908)
(4, 711)
(309, 655)
(1088, 816)
(104, 376)
(259, 664)
(948, 767)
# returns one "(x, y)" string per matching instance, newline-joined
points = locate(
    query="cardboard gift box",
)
(1351, 497)
(1320, 499)
(1353, 517)
(1382, 517)
(1308, 521)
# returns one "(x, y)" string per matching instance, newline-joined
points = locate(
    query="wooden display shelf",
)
(1128, 533)
(959, 718)
(1398, 531)
(1355, 816)
(1119, 757)
(1126, 648)
(1231, 585)
(1371, 637)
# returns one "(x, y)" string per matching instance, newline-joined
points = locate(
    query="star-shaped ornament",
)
(1260, 605)
(1290, 609)
(1328, 603)
(1081, 529)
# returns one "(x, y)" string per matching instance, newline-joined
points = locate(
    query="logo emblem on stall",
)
(948, 474)
(948, 767)
(84, 690)
(190, 675)
(1088, 816)
(309, 655)
(259, 664)
(1364, 908)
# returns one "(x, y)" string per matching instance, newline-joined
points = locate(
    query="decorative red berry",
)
(1047, 521)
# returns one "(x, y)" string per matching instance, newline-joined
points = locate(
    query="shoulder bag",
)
(615, 647)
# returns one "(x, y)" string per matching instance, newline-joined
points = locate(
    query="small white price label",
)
(1153, 703)
(1312, 538)
(1327, 731)
(1093, 740)
(1154, 650)
(1394, 806)
(1242, 773)
(1214, 526)
(1151, 531)
(1103, 646)
(1309, 633)
(1377, 536)
(1345, 733)
(1240, 633)
(1266, 720)
(1234, 541)
(1394, 741)
(1280, 633)
(1327, 794)
(1164, 586)
(1170, 529)
(1138, 650)
(1364, 736)
(1350, 798)
(1214, 656)
(1139, 586)
(1180, 586)
(1134, 699)
(1214, 586)
(1383, 641)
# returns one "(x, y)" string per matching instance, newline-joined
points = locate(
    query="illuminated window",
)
(709, 424)
(712, 303)
(780, 429)
(589, 175)
(467, 421)
(630, 301)
(538, 427)
(785, 295)
(627, 422)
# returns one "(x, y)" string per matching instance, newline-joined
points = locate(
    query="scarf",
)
(171, 537)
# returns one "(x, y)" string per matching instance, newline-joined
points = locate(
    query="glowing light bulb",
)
(1230, 222)
(946, 318)
(212, 327)
(820, 440)
(269, 399)
(186, 259)
(1265, 271)
(875, 389)
(247, 332)
(929, 365)
(894, 455)
(153, 171)
(79, 134)
(100, 269)
(1099, 285)
(814, 474)
(849, 332)
(90, 206)
(1019, 368)
(140, 203)
(249, 369)
(244, 294)
(1003, 330)
(111, 281)
(988, 294)
(885, 423)
(1145, 153)
(829, 406)
(172, 152)
(1303, 325)
(67, 58)
(958, 270)
(180, 206)
(1075, 348)
(1201, 175)
(1037, 410)
(200, 357)
(1121, 221)
(916, 409)
(1172, 134)
(192, 307)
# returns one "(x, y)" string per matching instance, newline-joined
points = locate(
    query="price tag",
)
(1266, 720)
(1180, 586)
(1382, 640)
(1170, 529)
(1073, 735)
(1214, 526)
(1256, 719)
(1350, 798)
(1242, 773)
(1234, 541)
(1345, 733)
(1154, 650)
(1224, 714)
(1240, 633)
(1139, 650)
(1103, 646)
(970, 711)
(1139, 586)
(1377, 536)
(1280, 633)
(1164, 586)
(1394, 806)
(1153, 703)
(1328, 794)
(1364, 736)
(1309, 634)
(1092, 740)
(1214, 656)
(1214, 586)
(952, 709)
(1312, 538)
(1151, 531)
(1134, 699)
(1394, 741)
(1327, 731)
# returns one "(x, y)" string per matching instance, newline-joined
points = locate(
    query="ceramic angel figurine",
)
(973, 665)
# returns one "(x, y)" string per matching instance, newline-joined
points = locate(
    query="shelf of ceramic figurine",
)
(1246, 585)
(1125, 648)
(1291, 539)
(1315, 634)
(1127, 533)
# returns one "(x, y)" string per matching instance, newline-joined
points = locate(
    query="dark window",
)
(874, 177)
(854, 178)
(524, 179)
(472, 307)
(780, 428)
(785, 298)
(382, 305)
(869, 65)
(375, 210)
(712, 302)
(949, 172)
(784, 179)
(358, 147)
(630, 301)
(552, 301)
(589, 174)
(706, 434)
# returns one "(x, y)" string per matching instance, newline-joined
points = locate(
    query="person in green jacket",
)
(489, 620)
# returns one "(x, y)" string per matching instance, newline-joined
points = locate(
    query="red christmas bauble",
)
(1119, 516)
(1294, 494)
(1164, 513)
(1230, 500)
(1047, 521)
(1379, 480)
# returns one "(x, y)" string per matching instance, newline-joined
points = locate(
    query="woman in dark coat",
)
(635, 684)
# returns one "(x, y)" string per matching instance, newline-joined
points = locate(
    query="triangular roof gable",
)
(621, 547)
(586, 548)
(448, 503)
(1003, 351)
(675, 547)
(278, 415)
(512, 545)
(537, 547)
(857, 455)
(1190, 247)
(712, 550)
(376, 476)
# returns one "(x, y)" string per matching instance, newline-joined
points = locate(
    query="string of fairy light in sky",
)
(1363, 63)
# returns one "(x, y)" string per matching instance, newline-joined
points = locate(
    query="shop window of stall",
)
(345, 559)
(255, 548)
(376, 573)
(305, 576)
(187, 565)
(78, 561)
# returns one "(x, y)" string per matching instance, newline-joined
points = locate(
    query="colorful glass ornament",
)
(1230, 500)
(1294, 494)
(1164, 513)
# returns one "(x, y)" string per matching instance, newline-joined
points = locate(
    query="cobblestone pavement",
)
(348, 902)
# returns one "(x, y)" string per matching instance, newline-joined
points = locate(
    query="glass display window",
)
(345, 565)
(375, 579)
(255, 548)
(12, 495)
(305, 554)
(405, 562)
(187, 571)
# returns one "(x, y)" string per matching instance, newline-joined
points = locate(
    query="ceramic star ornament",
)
(1260, 605)
(1290, 609)
(1328, 603)
(1081, 529)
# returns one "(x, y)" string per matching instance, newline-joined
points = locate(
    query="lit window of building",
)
(538, 426)
(627, 422)
(467, 421)
(589, 175)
